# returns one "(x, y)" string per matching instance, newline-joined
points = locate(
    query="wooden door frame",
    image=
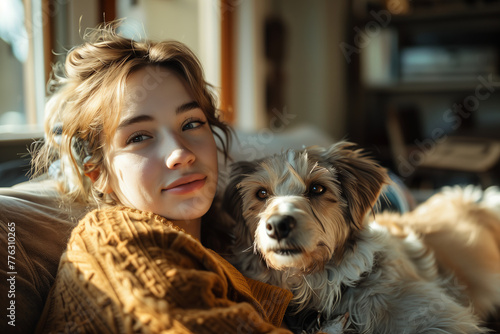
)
(227, 15)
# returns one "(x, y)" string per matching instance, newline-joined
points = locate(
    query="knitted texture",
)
(128, 271)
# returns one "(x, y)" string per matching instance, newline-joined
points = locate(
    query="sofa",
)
(34, 230)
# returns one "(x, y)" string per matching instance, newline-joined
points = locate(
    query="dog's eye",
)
(262, 193)
(316, 189)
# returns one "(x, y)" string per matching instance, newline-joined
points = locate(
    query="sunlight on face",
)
(163, 156)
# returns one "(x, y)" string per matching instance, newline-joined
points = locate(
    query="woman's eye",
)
(316, 189)
(137, 138)
(262, 194)
(193, 125)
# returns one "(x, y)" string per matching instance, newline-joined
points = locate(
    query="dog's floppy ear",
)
(361, 178)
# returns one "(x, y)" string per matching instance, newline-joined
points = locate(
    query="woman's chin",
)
(189, 209)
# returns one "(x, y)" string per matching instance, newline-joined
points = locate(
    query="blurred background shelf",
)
(429, 87)
(429, 71)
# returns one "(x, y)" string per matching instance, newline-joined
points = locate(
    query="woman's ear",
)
(93, 174)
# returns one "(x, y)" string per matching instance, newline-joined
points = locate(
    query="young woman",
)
(132, 127)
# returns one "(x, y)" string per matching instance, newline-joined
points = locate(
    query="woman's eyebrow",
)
(133, 120)
(186, 107)
(146, 118)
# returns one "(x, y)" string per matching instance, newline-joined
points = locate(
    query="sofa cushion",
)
(34, 229)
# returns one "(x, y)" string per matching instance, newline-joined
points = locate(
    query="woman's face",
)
(163, 156)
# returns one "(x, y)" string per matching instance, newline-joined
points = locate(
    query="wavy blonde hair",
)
(88, 93)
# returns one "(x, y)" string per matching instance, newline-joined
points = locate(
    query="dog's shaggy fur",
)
(304, 223)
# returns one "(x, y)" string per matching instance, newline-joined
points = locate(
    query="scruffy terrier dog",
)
(304, 223)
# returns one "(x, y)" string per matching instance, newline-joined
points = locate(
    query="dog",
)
(304, 221)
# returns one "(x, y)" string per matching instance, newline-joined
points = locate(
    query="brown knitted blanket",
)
(127, 271)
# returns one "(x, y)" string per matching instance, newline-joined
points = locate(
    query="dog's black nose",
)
(279, 227)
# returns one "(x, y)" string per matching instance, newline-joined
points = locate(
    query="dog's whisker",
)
(313, 168)
(309, 285)
(322, 244)
(246, 250)
(255, 249)
(319, 220)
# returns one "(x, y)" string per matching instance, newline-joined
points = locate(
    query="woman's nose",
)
(180, 157)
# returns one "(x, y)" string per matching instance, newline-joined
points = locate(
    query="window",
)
(35, 34)
(22, 67)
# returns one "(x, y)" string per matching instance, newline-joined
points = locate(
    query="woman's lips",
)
(186, 184)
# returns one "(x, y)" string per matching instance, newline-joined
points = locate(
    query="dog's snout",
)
(279, 227)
